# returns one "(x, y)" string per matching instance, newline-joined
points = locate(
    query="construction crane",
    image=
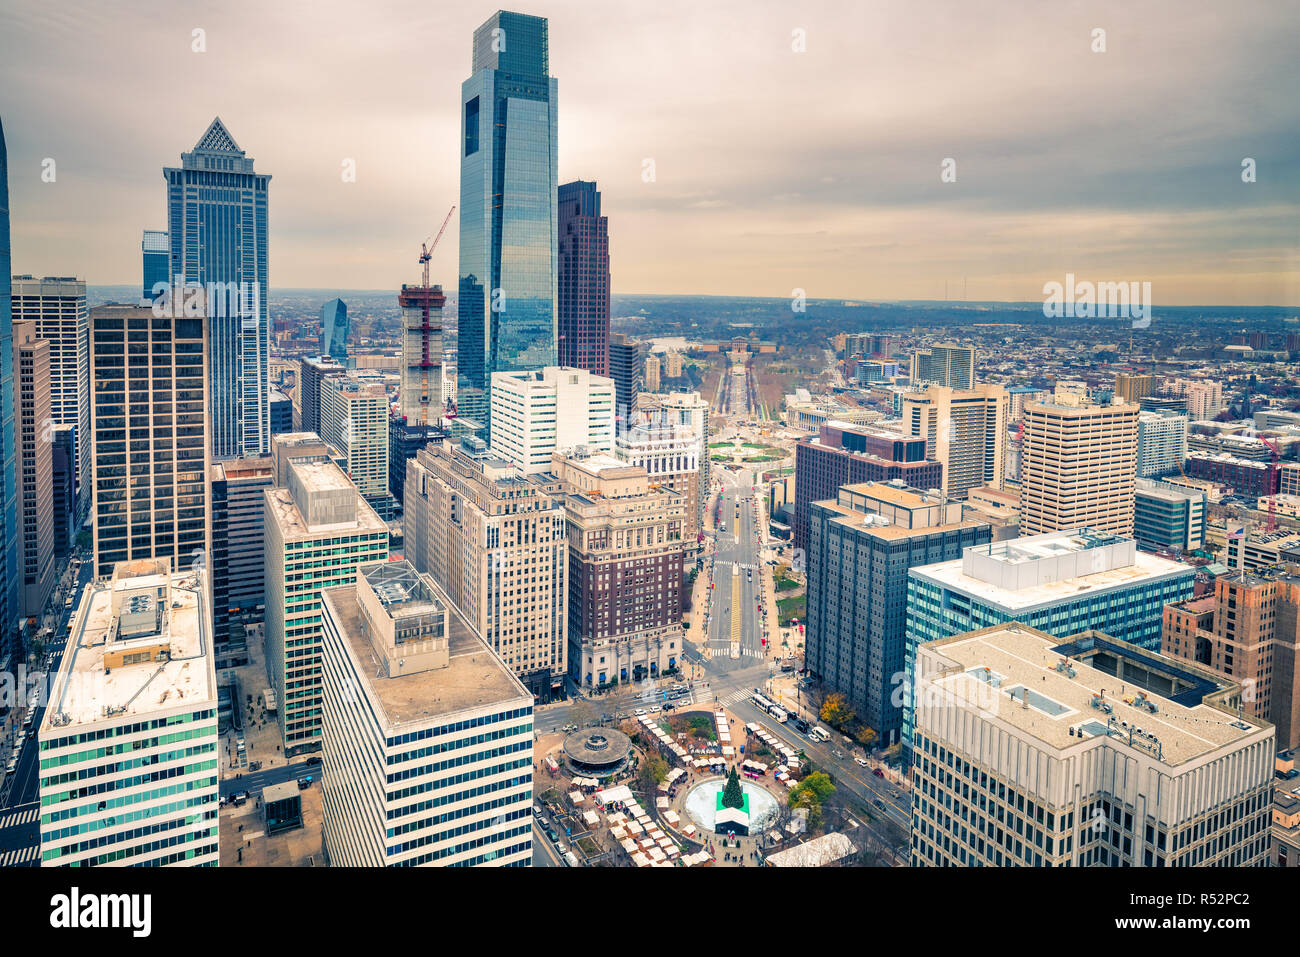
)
(426, 296)
(1271, 486)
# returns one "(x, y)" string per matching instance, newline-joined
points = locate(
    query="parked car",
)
(862, 761)
(877, 772)
(640, 712)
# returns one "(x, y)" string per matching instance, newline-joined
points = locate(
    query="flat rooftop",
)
(997, 668)
(84, 687)
(474, 678)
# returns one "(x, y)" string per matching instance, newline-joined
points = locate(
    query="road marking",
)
(19, 857)
(24, 815)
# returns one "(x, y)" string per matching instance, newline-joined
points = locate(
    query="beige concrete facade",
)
(35, 467)
(965, 430)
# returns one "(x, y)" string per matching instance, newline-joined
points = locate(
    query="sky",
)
(794, 146)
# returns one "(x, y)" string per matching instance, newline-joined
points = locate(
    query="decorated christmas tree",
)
(732, 795)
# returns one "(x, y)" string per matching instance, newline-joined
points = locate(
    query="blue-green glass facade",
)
(334, 330)
(506, 293)
(1131, 612)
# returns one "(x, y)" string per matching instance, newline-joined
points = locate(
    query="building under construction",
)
(421, 395)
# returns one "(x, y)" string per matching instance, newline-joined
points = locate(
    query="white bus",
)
(820, 734)
(761, 702)
(779, 714)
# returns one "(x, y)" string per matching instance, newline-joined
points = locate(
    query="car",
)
(668, 706)
(561, 848)
(9, 768)
(639, 712)
(877, 772)
(879, 803)
(314, 759)
(240, 798)
(862, 761)
(838, 753)
(653, 709)
(304, 783)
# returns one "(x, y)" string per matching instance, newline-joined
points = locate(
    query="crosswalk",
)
(740, 694)
(23, 857)
(22, 815)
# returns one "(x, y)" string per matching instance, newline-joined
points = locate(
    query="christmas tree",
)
(732, 795)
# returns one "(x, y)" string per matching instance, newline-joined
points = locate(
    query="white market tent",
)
(819, 852)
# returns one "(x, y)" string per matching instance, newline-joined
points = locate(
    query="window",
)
(471, 127)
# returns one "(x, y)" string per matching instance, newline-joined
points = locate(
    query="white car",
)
(639, 712)
(861, 761)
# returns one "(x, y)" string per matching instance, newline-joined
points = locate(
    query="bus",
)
(762, 703)
(779, 714)
(819, 733)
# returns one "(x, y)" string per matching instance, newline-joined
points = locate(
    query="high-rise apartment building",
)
(1053, 761)
(354, 421)
(949, 365)
(1078, 466)
(1204, 397)
(1162, 443)
(217, 227)
(506, 297)
(58, 307)
(1248, 631)
(128, 741)
(318, 531)
(842, 454)
(653, 362)
(420, 398)
(583, 279)
(861, 545)
(965, 431)
(626, 548)
(151, 380)
(540, 412)
(311, 373)
(155, 250)
(406, 677)
(493, 538)
(1131, 387)
(1169, 516)
(239, 546)
(627, 369)
(8, 458)
(33, 433)
(334, 330)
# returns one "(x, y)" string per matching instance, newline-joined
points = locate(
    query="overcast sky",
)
(774, 169)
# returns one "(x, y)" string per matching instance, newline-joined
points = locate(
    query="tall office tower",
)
(318, 531)
(947, 365)
(536, 414)
(1021, 394)
(681, 412)
(354, 421)
(128, 741)
(965, 431)
(842, 454)
(862, 544)
(583, 279)
(33, 433)
(421, 399)
(627, 369)
(63, 457)
(1204, 397)
(626, 585)
(1164, 402)
(334, 330)
(216, 219)
(1079, 466)
(1168, 516)
(155, 248)
(238, 549)
(150, 375)
(281, 413)
(1248, 631)
(58, 306)
(1130, 388)
(652, 372)
(8, 459)
(493, 539)
(406, 677)
(506, 298)
(1162, 443)
(404, 440)
(311, 373)
(670, 454)
(1053, 765)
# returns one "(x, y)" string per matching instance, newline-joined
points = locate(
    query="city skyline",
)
(1068, 161)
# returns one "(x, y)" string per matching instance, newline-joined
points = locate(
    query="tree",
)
(835, 710)
(651, 771)
(733, 795)
(819, 784)
(866, 736)
(582, 713)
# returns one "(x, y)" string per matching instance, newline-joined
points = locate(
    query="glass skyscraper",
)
(216, 219)
(508, 230)
(334, 330)
(583, 279)
(154, 253)
(8, 473)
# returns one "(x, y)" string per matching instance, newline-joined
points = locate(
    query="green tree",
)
(732, 794)
(651, 771)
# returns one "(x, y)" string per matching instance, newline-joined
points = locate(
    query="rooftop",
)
(997, 668)
(475, 676)
(87, 692)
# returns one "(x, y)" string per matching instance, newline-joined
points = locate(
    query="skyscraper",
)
(334, 330)
(965, 430)
(57, 304)
(536, 414)
(8, 472)
(311, 373)
(948, 365)
(149, 502)
(627, 369)
(33, 432)
(354, 421)
(154, 253)
(583, 279)
(506, 301)
(1079, 466)
(216, 218)
(420, 399)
